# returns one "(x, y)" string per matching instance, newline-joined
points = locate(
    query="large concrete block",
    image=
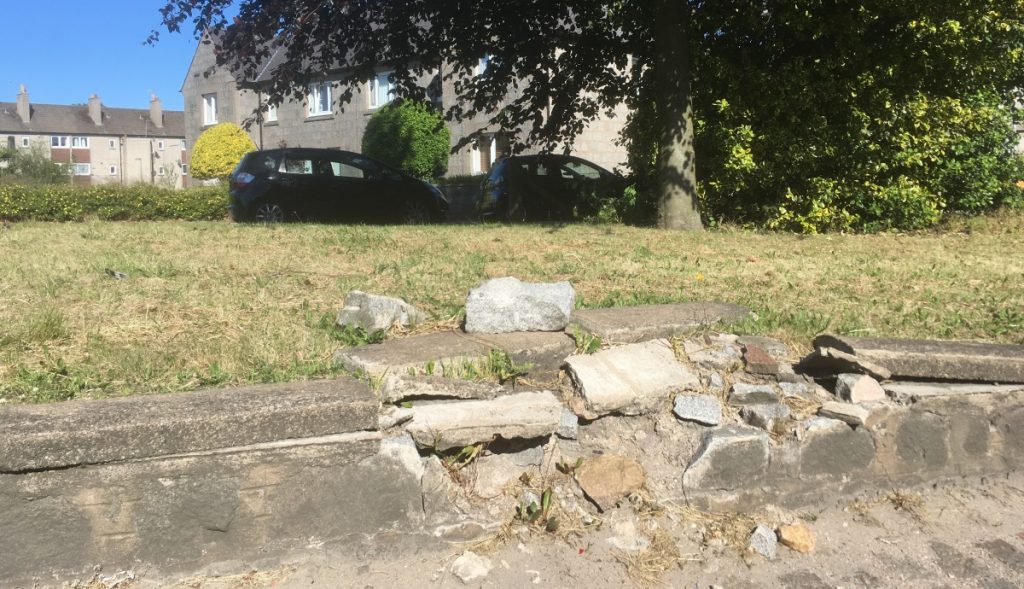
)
(455, 424)
(729, 458)
(921, 441)
(61, 435)
(830, 448)
(645, 322)
(630, 379)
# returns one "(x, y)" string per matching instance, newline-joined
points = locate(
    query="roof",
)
(58, 119)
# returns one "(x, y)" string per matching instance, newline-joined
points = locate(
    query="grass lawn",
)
(211, 304)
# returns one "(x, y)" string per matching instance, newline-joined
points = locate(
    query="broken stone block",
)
(797, 537)
(714, 352)
(766, 416)
(631, 379)
(912, 392)
(569, 426)
(771, 346)
(396, 388)
(856, 415)
(402, 449)
(858, 388)
(824, 362)
(456, 424)
(608, 479)
(935, 359)
(390, 417)
(504, 305)
(715, 383)
(470, 567)
(730, 457)
(752, 394)
(764, 541)
(703, 409)
(831, 449)
(759, 361)
(799, 389)
(645, 322)
(374, 312)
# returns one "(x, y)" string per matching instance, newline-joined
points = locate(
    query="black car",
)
(546, 187)
(328, 185)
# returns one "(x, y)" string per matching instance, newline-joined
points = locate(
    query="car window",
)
(344, 170)
(573, 169)
(297, 165)
(259, 162)
(369, 168)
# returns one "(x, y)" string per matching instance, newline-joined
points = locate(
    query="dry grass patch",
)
(217, 304)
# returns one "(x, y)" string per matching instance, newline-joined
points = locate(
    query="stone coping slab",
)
(909, 359)
(544, 350)
(74, 433)
(645, 322)
(911, 392)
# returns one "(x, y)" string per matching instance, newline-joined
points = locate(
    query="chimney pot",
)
(24, 107)
(96, 110)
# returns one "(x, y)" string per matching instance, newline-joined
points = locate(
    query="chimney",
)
(156, 111)
(24, 110)
(96, 110)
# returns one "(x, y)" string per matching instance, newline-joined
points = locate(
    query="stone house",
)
(213, 95)
(103, 145)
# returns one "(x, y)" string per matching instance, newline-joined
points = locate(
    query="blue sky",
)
(66, 50)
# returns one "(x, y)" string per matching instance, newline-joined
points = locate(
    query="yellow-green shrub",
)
(218, 150)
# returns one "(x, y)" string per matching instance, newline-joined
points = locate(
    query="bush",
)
(111, 203)
(218, 150)
(411, 136)
(33, 166)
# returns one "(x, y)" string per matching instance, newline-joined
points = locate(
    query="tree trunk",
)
(676, 168)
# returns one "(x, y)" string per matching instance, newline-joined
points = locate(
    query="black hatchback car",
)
(329, 185)
(546, 187)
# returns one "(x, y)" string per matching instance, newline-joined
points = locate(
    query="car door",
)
(536, 186)
(298, 186)
(583, 184)
(352, 187)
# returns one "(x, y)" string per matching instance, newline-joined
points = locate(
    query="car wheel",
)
(269, 212)
(415, 212)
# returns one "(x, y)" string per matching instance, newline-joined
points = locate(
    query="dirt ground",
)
(967, 533)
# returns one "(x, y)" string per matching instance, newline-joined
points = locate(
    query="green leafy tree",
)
(553, 66)
(218, 150)
(411, 136)
(32, 166)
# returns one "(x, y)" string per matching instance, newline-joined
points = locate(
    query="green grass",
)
(216, 304)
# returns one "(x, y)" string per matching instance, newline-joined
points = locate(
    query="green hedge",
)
(111, 203)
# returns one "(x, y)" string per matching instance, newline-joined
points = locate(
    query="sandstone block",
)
(607, 479)
(858, 388)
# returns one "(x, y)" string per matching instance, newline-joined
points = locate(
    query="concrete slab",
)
(62, 435)
(645, 322)
(400, 356)
(911, 392)
(935, 359)
(631, 379)
(544, 351)
(455, 424)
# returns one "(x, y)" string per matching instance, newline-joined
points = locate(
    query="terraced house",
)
(213, 95)
(102, 145)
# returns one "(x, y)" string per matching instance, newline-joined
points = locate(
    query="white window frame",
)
(494, 149)
(271, 113)
(161, 171)
(26, 142)
(474, 162)
(81, 169)
(210, 109)
(160, 145)
(113, 170)
(112, 143)
(320, 99)
(79, 142)
(184, 169)
(60, 141)
(375, 86)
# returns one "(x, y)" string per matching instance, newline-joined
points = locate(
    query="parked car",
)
(546, 187)
(328, 185)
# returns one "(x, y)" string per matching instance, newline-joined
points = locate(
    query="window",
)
(112, 143)
(160, 171)
(160, 145)
(474, 159)
(80, 142)
(381, 90)
(58, 141)
(184, 169)
(81, 169)
(24, 141)
(573, 169)
(183, 145)
(344, 170)
(113, 170)
(320, 99)
(271, 113)
(295, 165)
(481, 65)
(209, 109)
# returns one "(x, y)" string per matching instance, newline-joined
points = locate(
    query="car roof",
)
(554, 156)
(312, 151)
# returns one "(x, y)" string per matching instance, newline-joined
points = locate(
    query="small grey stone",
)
(374, 312)
(764, 542)
(716, 355)
(470, 567)
(504, 305)
(752, 394)
(569, 427)
(715, 382)
(704, 409)
(765, 416)
(850, 413)
(858, 388)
